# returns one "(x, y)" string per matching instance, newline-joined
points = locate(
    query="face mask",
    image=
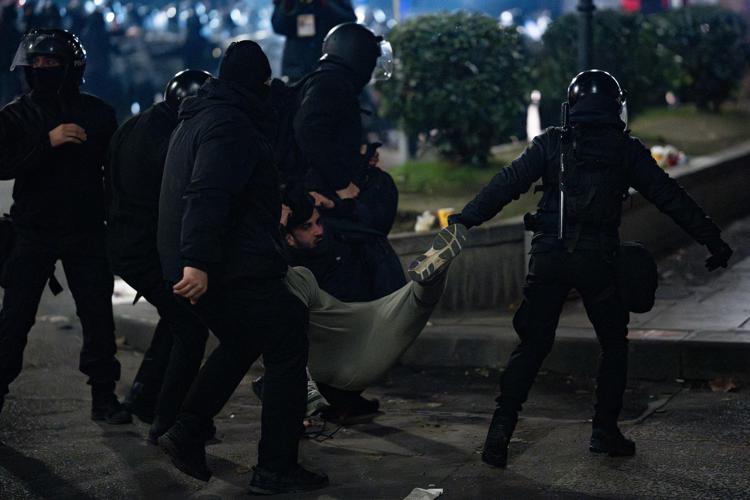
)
(47, 80)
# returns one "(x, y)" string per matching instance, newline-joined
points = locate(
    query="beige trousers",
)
(354, 344)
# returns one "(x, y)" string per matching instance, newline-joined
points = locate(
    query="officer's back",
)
(224, 128)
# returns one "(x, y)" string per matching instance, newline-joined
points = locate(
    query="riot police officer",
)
(586, 168)
(53, 142)
(134, 170)
(328, 132)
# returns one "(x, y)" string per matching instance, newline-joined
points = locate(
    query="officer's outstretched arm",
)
(668, 196)
(510, 182)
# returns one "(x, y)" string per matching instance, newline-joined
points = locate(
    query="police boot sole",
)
(446, 246)
(170, 448)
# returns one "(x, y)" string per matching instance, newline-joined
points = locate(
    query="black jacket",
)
(220, 204)
(135, 165)
(301, 54)
(328, 128)
(541, 159)
(57, 191)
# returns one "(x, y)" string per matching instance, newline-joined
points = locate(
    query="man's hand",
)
(720, 254)
(193, 284)
(350, 191)
(322, 201)
(67, 132)
(285, 213)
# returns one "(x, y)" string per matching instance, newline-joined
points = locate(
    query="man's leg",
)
(25, 274)
(91, 283)
(535, 323)
(610, 320)
(245, 322)
(189, 336)
(144, 393)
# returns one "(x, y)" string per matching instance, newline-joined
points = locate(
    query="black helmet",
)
(594, 81)
(184, 84)
(355, 47)
(56, 43)
(596, 91)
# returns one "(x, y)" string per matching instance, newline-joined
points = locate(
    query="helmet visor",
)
(37, 44)
(384, 65)
(23, 57)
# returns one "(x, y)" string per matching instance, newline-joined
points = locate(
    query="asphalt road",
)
(692, 443)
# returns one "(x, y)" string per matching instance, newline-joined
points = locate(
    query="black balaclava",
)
(596, 109)
(245, 64)
(46, 80)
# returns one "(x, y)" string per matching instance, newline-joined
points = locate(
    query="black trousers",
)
(177, 347)
(24, 277)
(551, 277)
(252, 319)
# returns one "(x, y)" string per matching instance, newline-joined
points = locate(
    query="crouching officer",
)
(586, 168)
(134, 170)
(53, 141)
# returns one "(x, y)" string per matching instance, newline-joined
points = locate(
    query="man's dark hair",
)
(302, 206)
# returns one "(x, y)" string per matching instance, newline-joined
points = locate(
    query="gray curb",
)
(654, 355)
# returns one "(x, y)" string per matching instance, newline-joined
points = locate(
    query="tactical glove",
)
(459, 219)
(720, 254)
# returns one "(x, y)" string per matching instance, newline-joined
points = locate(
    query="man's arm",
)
(222, 167)
(669, 197)
(315, 129)
(510, 183)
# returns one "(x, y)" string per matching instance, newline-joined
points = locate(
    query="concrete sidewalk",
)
(693, 333)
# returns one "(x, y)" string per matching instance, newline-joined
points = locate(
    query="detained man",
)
(342, 334)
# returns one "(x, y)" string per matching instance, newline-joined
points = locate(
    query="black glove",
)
(458, 219)
(720, 254)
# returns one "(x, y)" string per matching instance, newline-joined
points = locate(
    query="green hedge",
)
(699, 53)
(460, 78)
(465, 81)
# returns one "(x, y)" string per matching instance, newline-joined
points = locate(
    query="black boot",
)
(105, 407)
(266, 482)
(157, 430)
(159, 427)
(187, 451)
(140, 403)
(611, 441)
(495, 450)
